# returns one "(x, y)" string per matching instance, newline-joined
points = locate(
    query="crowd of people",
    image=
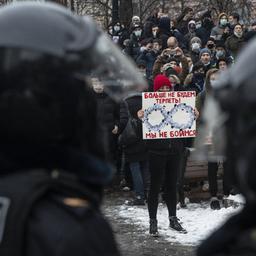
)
(183, 54)
(57, 118)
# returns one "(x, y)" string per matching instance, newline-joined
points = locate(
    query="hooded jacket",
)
(218, 30)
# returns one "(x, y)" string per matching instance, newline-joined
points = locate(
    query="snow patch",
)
(198, 219)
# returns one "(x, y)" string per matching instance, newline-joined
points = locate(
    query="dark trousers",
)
(140, 178)
(212, 178)
(181, 174)
(163, 170)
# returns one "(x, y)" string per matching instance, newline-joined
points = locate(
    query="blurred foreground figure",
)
(51, 178)
(230, 116)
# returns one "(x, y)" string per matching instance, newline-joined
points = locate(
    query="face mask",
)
(154, 33)
(192, 28)
(137, 33)
(223, 22)
(210, 46)
(116, 28)
(239, 35)
(198, 25)
(220, 54)
(98, 88)
(195, 47)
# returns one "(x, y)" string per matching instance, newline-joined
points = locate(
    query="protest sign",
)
(168, 114)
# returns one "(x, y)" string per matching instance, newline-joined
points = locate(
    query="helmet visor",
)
(115, 70)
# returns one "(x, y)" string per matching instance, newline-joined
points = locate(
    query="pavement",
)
(132, 239)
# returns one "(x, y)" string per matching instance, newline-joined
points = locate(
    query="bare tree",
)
(101, 10)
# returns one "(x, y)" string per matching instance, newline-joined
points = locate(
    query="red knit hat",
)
(160, 81)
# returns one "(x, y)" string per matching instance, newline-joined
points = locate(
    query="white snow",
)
(198, 219)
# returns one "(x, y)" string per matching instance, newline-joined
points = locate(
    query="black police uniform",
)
(51, 180)
(234, 96)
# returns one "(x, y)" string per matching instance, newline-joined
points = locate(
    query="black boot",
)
(137, 201)
(174, 223)
(153, 227)
(215, 203)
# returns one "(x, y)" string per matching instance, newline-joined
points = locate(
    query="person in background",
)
(205, 59)
(108, 118)
(176, 33)
(210, 81)
(251, 33)
(191, 33)
(183, 20)
(222, 64)
(221, 53)
(135, 151)
(149, 56)
(236, 41)
(190, 63)
(135, 42)
(173, 57)
(211, 45)
(207, 23)
(218, 30)
(164, 30)
(135, 22)
(195, 48)
(195, 80)
(201, 31)
(233, 19)
(118, 33)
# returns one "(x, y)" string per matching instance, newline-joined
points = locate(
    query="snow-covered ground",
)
(198, 219)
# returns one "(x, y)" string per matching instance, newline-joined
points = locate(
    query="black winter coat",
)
(108, 117)
(136, 151)
(108, 111)
(39, 220)
(234, 238)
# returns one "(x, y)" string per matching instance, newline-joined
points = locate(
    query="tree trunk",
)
(126, 12)
(115, 11)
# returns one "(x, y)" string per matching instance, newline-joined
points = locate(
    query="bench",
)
(195, 175)
(198, 170)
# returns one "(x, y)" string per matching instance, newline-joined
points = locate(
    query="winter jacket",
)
(108, 111)
(165, 33)
(39, 182)
(234, 44)
(149, 57)
(203, 34)
(134, 46)
(160, 62)
(217, 33)
(108, 117)
(136, 151)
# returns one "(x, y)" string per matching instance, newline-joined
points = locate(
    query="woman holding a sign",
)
(164, 162)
